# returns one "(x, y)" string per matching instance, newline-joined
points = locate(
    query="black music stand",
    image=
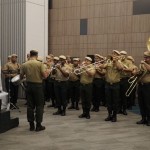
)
(9, 72)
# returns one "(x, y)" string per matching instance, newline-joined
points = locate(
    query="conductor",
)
(35, 72)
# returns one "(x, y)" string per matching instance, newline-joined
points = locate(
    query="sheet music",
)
(0, 78)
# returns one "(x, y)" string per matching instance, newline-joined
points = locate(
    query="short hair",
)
(33, 53)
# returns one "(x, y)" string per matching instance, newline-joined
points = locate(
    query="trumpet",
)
(83, 69)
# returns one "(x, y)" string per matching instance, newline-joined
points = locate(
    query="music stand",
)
(9, 72)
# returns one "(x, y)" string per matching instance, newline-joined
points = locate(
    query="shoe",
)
(142, 121)
(109, 118)
(32, 126)
(120, 112)
(96, 109)
(148, 123)
(88, 116)
(50, 106)
(114, 119)
(63, 113)
(82, 115)
(77, 107)
(124, 112)
(40, 128)
(93, 109)
(71, 107)
(58, 112)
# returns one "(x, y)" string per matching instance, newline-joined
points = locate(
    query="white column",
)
(37, 26)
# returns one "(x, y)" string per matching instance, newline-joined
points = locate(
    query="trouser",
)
(35, 98)
(13, 90)
(124, 85)
(144, 99)
(50, 90)
(86, 95)
(98, 92)
(69, 92)
(112, 92)
(75, 91)
(60, 88)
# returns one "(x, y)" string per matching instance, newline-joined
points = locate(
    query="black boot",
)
(72, 106)
(83, 115)
(97, 109)
(32, 126)
(39, 127)
(109, 116)
(124, 112)
(77, 106)
(88, 114)
(148, 121)
(93, 109)
(58, 112)
(114, 116)
(142, 121)
(63, 113)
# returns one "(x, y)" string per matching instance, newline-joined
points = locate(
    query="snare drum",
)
(16, 80)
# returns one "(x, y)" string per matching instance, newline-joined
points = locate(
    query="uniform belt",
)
(52, 78)
(110, 83)
(144, 83)
(60, 81)
(86, 84)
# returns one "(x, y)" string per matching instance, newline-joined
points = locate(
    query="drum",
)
(16, 80)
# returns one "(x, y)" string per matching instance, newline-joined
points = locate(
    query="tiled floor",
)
(72, 133)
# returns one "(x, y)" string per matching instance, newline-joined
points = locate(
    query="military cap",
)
(9, 56)
(56, 58)
(97, 55)
(117, 52)
(14, 55)
(48, 57)
(123, 53)
(88, 58)
(40, 58)
(62, 57)
(130, 58)
(76, 59)
(147, 54)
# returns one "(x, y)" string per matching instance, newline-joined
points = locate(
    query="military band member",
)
(124, 85)
(47, 90)
(12, 68)
(144, 90)
(98, 84)
(112, 87)
(60, 86)
(132, 96)
(86, 80)
(35, 72)
(51, 83)
(74, 85)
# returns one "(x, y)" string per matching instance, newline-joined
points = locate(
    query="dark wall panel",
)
(141, 7)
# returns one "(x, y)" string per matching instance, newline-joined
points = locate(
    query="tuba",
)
(148, 44)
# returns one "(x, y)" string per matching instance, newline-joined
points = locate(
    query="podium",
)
(6, 122)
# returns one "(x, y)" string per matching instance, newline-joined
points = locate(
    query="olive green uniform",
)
(144, 96)
(74, 85)
(86, 89)
(13, 70)
(33, 70)
(124, 85)
(98, 89)
(61, 87)
(112, 88)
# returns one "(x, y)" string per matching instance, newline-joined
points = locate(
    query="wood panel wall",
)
(111, 25)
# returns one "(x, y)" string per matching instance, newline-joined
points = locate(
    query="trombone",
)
(133, 81)
(83, 69)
